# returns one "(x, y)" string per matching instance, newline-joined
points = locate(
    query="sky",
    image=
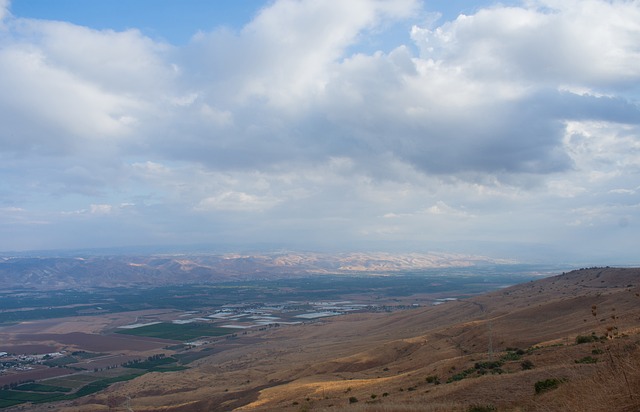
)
(506, 129)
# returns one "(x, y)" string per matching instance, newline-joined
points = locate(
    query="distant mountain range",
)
(121, 270)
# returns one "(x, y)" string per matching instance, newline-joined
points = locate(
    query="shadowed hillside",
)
(568, 342)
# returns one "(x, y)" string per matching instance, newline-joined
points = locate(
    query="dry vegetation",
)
(488, 353)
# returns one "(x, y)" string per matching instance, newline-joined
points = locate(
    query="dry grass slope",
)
(484, 353)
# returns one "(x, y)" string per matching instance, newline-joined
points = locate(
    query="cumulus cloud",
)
(284, 54)
(274, 97)
(566, 42)
(510, 111)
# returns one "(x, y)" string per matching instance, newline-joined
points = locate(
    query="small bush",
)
(457, 377)
(547, 384)
(511, 356)
(586, 339)
(432, 379)
(587, 359)
(488, 365)
(353, 399)
(526, 365)
(482, 408)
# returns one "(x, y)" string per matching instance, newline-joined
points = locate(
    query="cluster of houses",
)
(10, 362)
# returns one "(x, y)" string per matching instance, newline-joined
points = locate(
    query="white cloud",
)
(51, 110)
(4, 10)
(236, 201)
(100, 209)
(285, 54)
(623, 191)
(491, 126)
(122, 62)
(578, 42)
(605, 150)
(217, 117)
(441, 208)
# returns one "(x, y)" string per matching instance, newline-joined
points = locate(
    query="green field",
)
(87, 355)
(63, 361)
(37, 387)
(77, 386)
(4, 403)
(21, 397)
(40, 393)
(172, 331)
(29, 305)
(457, 281)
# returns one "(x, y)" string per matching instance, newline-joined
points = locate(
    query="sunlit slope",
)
(490, 350)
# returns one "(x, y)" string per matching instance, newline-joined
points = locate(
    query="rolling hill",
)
(568, 342)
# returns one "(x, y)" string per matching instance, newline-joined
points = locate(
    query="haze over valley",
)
(450, 338)
(319, 205)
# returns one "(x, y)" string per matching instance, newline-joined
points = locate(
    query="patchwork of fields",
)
(112, 335)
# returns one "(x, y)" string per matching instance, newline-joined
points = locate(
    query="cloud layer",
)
(513, 124)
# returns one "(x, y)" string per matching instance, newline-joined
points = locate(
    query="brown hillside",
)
(389, 362)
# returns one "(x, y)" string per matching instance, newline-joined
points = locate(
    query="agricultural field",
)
(179, 332)
(29, 305)
(83, 384)
(63, 345)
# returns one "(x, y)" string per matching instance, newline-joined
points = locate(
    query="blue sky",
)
(169, 20)
(508, 129)
(177, 21)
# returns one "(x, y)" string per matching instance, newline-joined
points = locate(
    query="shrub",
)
(482, 408)
(587, 359)
(488, 365)
(586, 339)
(457, 377)
(482, 368)
(511, 356)
(526, 365)
(433, 379)
(547, 384)
(353, 399)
